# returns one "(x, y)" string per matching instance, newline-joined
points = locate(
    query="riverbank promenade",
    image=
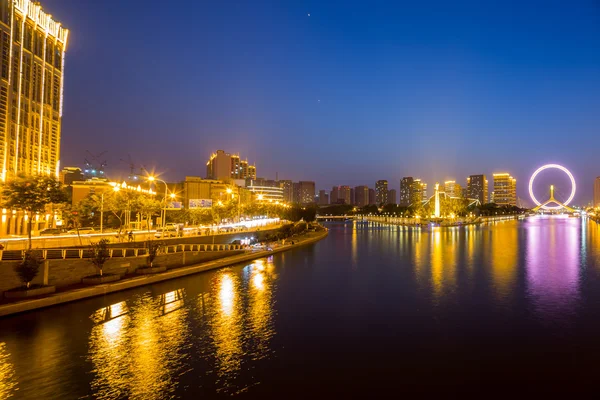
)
(76, 292)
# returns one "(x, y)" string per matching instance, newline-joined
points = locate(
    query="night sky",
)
(352, 93)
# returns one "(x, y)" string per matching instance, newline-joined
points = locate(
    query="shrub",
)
(99, 253)
(29, 267)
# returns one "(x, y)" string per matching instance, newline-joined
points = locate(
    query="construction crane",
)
(95, 167)
(132, 168)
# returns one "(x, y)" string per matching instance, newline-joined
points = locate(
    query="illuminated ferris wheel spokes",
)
(552, 199)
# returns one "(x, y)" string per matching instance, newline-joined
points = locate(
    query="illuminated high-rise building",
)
(31, 89)
(406, 186)
(307, 192)
(597, 192)
(477, 188)
(418, 191)
(381, 192)
(223, 165)
(505, 190)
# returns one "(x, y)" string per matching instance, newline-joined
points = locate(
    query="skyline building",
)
(597, 192)
(305, 192)
(505, 190)
(381, 192)
(223, 165)
(452, 189)
(418, 191)
(406, 187)
(31, 89)
(361, 194)
(392, 196)
(372, 197)
(477, 188)
(323, 198)
(288, 190)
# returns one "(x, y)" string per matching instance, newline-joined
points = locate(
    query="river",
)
(368, 309)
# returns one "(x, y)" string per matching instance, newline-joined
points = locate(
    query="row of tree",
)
(34, 194)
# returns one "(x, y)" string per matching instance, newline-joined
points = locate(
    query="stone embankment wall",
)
(70, 271)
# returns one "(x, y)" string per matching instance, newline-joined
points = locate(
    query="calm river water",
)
(369, 308)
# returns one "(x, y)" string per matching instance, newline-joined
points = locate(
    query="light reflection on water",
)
(137, 353)
(216, 332)
(8, 383)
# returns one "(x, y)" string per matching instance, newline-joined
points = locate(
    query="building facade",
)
(223, 165)
(477, 188)
(392, 196)
(361, 196)
(406, 186)
(372, 198)
(381, 192)
(307, 192)
(31, 89)
(505, 190)
(323, 198)
(288, 190)
(418, 191)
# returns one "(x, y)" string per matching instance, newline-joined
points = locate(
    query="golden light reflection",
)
(227, 327)
(136, 351)
(260, 313)
(443, 262)
(8, 383)
(504, 259)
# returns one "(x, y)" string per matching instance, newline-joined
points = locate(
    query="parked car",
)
(82, 231)
(52, 231)
(168, 231)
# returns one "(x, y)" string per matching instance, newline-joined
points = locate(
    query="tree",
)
(147, 207)
(32, 194)
(29, 267)
(154, 248)
(99, 253)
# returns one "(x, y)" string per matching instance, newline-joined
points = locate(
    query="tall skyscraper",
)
(31, 89)
(352, 196)
(223, 165)
(477, 188)
(597, 192)
(381, 192)
(392, 196)
(361, 194)
(406, 185)
(323, 198)
(505, 190)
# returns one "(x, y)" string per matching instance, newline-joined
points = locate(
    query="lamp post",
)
(163, 212)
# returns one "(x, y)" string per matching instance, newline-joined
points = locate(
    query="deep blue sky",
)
(355, 92)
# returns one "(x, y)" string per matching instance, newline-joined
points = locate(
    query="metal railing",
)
(63, 254)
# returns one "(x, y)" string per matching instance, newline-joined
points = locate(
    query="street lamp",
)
(163, 212)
